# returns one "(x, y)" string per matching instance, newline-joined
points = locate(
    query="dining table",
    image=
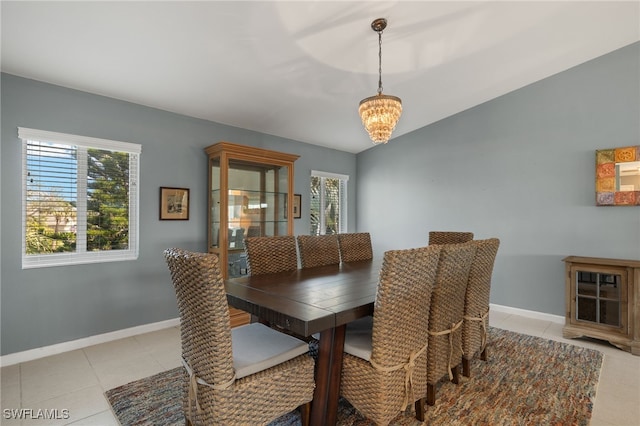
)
(307, 301)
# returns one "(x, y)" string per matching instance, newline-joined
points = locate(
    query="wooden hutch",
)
(250, 194)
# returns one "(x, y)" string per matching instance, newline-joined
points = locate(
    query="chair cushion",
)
(257, 347)
(358, 339)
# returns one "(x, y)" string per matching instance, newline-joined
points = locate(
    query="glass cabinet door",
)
(257, 201)
(214, 204)
(255, 207)
(598, 297)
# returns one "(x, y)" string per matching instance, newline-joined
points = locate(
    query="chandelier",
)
(380, 113)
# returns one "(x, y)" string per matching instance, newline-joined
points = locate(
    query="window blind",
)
(80, 199)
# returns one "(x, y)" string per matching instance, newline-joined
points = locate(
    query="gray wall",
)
(520, 168)
(41, 307)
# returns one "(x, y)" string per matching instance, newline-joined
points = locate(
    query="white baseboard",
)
(30, 355)
(526, 313)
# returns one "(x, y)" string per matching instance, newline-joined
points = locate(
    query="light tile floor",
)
(76, 381)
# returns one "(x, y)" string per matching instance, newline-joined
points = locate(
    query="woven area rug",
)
(526, 381)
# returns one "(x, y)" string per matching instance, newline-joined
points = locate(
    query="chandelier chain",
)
(380, 62)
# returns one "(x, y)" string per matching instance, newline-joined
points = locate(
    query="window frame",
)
(81, 144)
(342, 224)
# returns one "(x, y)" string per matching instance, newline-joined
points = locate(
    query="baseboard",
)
(528, 314)
(31, 354)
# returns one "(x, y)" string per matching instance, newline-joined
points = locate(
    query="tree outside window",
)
(328, 203)
(80, 199)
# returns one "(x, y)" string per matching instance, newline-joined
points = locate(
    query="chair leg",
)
(420, 410)
(456, 374)
(187, 422)
(483, 354)
(466, 367)
(305, 413)
(431, 394)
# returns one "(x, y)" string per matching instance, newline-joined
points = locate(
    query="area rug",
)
(526, 381)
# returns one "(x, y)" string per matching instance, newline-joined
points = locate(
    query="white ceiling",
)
(299, 69)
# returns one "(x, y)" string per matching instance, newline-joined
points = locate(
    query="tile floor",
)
(77, 380)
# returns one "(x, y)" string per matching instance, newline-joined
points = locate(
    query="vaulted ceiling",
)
(299, 69)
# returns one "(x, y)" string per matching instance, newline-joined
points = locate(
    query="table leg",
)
(324, 407)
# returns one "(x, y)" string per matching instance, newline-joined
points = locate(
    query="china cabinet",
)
(603, 300)
(250, 194)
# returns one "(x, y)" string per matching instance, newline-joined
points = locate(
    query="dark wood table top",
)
(307, 301)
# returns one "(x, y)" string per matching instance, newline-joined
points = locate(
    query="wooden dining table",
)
(314, 300)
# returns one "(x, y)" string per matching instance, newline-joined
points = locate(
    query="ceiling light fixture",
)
(380, 113)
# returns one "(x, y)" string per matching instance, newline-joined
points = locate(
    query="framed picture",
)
(297, 206)
(174, 203)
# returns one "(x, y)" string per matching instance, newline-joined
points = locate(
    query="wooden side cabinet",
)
(602, 298)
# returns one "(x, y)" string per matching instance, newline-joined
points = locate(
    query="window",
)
(328, 203)
(79, 199)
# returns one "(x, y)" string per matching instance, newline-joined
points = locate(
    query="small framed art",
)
(297, 206)
(174, 203)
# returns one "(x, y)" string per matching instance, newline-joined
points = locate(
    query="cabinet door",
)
(256, 206)
(599, 297)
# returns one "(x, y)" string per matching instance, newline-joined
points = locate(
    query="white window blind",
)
(328, 207)
(79, 199)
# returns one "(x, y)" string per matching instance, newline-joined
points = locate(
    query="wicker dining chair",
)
(318, 250)
(267, 255)
(476, 306)
(384, 364)
(271, 254)
(355, 246)
(444, 353)
(249, 375)
(449, 237)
